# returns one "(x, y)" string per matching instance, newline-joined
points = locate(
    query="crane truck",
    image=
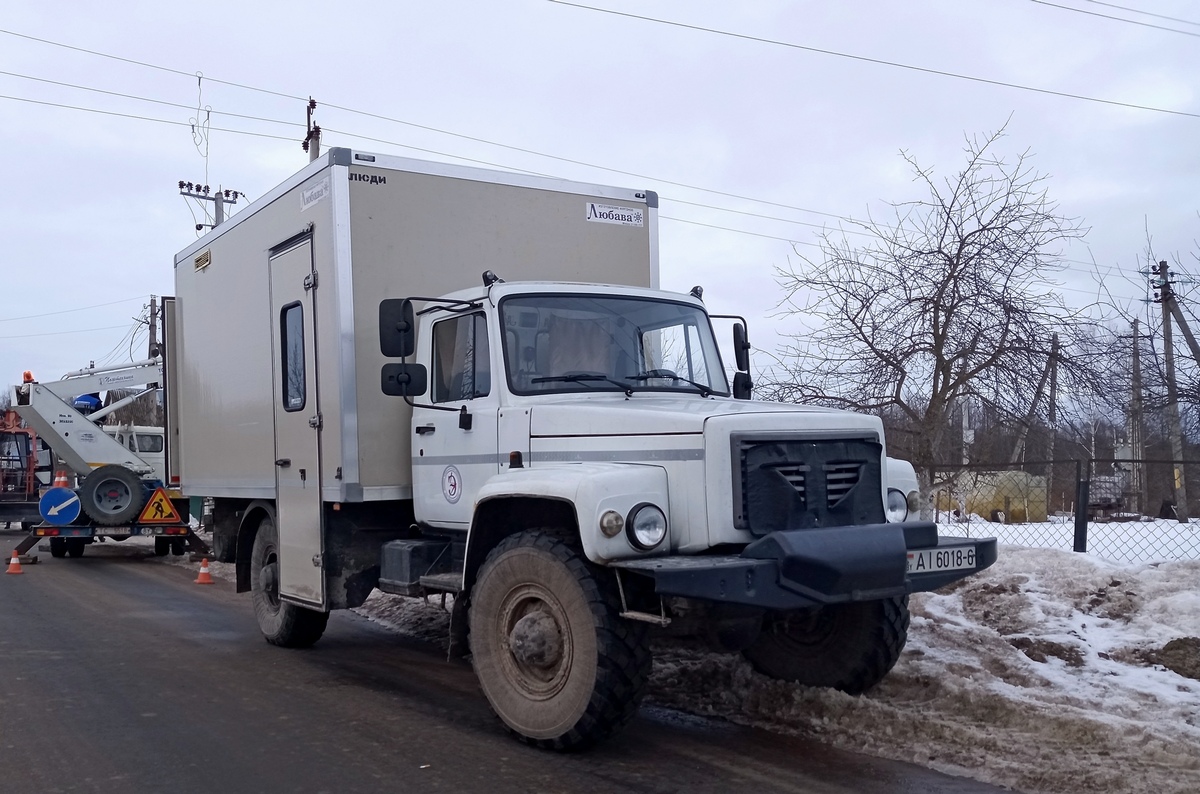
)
(426, 378)
(119, 495)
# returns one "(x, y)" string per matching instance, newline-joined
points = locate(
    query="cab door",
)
(451, 462)
(296, 402)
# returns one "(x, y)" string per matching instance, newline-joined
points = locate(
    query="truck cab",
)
(597, 424)
(148, 442)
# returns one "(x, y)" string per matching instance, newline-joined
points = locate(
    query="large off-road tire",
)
(559, 666)
(112, 495)
(283, 624)
(850, 647)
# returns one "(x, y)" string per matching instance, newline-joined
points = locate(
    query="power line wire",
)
(1144, 13)
(877, 61)
(69, 311)
(393, 120)
(150, 100)
(64, 333)
(484, 140)
(195, 75)
(139, 118)
(496, 165)
(819, 245)
(1117, 19)
(536, 173)
(439, 131)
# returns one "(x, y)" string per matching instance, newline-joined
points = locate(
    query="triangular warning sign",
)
(159, 510)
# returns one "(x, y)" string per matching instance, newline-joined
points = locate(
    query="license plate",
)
(951, 559)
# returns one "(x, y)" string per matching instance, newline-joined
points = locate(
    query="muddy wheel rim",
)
(537, 646)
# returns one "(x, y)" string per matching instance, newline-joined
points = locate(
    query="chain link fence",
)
(1121, 510)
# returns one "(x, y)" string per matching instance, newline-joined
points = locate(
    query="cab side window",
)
(462, 368)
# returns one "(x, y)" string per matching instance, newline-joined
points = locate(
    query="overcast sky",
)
(756, 122)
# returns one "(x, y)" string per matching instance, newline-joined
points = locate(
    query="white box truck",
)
(427, 378)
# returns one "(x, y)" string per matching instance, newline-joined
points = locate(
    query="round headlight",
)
(897, 505)
(646, 526)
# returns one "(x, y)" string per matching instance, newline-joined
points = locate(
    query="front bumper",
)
(794, 569)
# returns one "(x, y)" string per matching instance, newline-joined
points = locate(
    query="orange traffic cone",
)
(14, 565)
(60, 480)
(203, 578)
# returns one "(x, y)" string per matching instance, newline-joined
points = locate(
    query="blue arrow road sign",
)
(59, 506)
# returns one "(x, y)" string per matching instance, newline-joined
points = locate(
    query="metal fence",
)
(1121, 510)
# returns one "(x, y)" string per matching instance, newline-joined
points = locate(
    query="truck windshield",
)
(580, 343)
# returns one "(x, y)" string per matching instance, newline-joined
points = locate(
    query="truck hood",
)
(645, 414)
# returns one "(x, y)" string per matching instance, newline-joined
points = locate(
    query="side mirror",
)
(742, 386)
(403, 380)
(397, 329)
(741, 348)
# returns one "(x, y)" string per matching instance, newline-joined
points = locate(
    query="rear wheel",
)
(75, 547)
(58, 547)
(283, 624)
(557, 663)
(162, 546)
(112, 495)
(850, 647)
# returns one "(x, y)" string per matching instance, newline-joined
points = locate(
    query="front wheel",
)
(283, 624)
(559, 666)
(850, 647)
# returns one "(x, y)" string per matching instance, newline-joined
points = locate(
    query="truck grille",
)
(789, 484)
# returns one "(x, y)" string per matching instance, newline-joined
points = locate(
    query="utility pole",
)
(312, 140)
(220, 199)
(1163, 282)
(1018, 452)
(1052, 418)
(1137, 451)
(153, 349)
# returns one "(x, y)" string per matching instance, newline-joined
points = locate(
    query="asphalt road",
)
(118, 674)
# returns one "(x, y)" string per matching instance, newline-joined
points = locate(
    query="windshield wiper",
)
(667, 374)
(584, 377)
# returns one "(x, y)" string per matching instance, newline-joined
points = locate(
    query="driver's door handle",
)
(283, 463)
(423, 430)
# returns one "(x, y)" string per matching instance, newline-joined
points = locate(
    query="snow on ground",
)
(1035, 674)
(1041, 674)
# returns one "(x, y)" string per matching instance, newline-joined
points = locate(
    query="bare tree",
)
(953, 301)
